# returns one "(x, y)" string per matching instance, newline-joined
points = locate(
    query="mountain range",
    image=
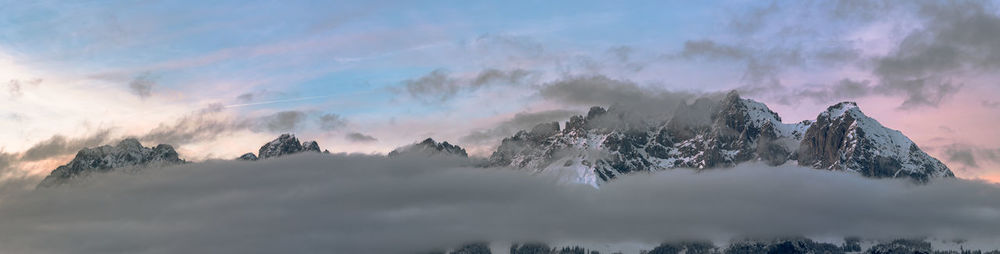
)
(607, 143)
(717, 133)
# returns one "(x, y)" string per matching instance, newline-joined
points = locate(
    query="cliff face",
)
(843, 138)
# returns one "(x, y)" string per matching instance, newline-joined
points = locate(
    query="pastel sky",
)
(218, 80)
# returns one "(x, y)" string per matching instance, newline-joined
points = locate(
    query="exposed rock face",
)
(284, 145)
(711, 133)
(843, 138)
(430, 147)
(247, 157)
(128, 153)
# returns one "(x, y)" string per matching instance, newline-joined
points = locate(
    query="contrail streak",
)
(276, 101)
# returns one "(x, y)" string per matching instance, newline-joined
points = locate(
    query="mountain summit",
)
(711, 133)
(844, 138)
(429, 147)
(127, 153)
(283, 145)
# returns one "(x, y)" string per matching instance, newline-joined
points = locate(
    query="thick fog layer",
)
(316, 203)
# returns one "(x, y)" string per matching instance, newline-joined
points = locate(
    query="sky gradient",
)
(218, 80)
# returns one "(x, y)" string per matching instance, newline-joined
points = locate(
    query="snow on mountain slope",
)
(715, 133)
(429, 147)
(844, 138)
(127, 153)
(285, 144)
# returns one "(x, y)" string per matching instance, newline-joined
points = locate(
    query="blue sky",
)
(401, 71)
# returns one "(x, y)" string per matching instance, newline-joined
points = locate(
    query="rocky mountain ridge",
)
(715, 133)
(285, 144)
(605, 144)
(429, 147)
(128, 153)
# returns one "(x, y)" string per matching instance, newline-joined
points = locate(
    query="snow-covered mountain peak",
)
(429, 147)
(844, 138)
(285, 144)
(128, 153)
(129, 143)
(840, 109)
(716, 133)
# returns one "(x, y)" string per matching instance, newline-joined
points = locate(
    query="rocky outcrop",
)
(248, 157)
(429, 147)
(128, 153)
(711, 133)
(843, 138)
(283, 145)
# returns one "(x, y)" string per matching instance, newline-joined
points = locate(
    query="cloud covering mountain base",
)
(310, 203)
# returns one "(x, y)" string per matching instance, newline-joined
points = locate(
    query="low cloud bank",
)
(313, 203)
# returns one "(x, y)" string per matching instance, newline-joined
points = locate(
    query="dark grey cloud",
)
(921, 67)
(7, 160)
(492, 76)
(330, 122)
(593, 90)
(13, 180)
(372, 204)
(283, 121)
(634, 104)
(142, 85)
(358, 137)
(436, 83)
(864, 10)
(972, 156)
(208, 124)
(60, 145)
(439, 85)
(927, 66)
(711, 50)
(963, 155)
(198, 126)
(953, 40)
(244, 98)
(843, 89)
(762, 66)
(521, 121)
